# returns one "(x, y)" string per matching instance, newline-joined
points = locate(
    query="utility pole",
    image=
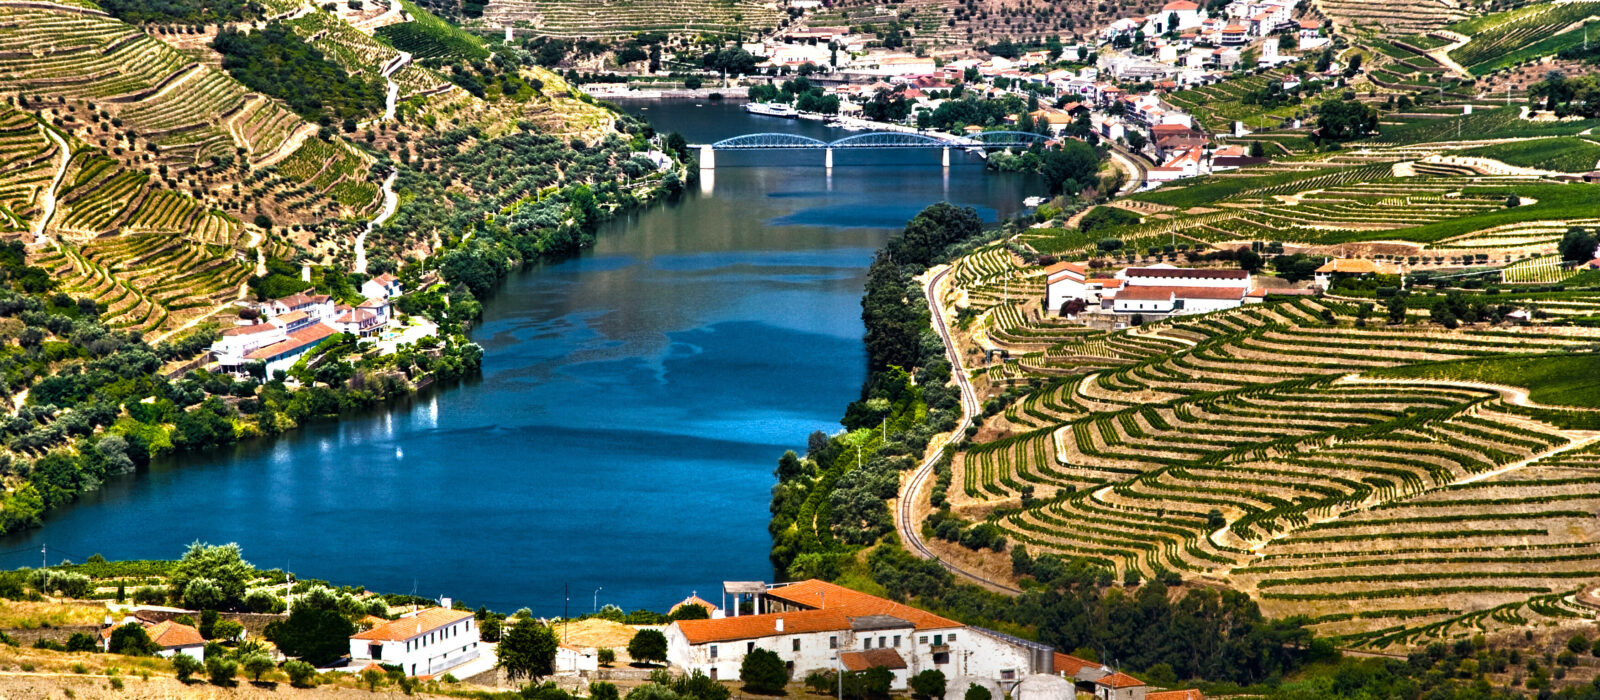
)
(597, 598)
(44, 556)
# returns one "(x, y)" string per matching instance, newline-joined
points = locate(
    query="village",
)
(813, 627)
(1112, 89)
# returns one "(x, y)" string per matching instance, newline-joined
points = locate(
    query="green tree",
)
(1578, 246)
(607, 656)
(648, 645)
(132, 640)
(528, 650)
(763, 672)
(221, 669)
(185, 666)
(1396, 307)
(317, 636)
(301, 674)
(601, 690)
(372, 678)
(80, 642)
(1342, 120)
(222, 564)
(256, 664)
(928, 684)
(977, 692)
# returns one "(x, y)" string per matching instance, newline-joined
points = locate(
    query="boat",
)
(767, 109)
(1033, 201)
(813, 116)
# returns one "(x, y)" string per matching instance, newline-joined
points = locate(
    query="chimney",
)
(780, 624)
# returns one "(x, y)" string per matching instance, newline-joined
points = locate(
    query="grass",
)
(17, 614)
(1562, 380)
(1555, 202)
(1566, 154)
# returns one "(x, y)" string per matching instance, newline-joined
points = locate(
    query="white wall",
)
(1060, 291)
(431, 652)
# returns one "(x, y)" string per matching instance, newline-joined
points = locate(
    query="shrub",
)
(185, 666)
(648, 645)
(928, 684)
(301, 674)
(221, 670)
(763, 672)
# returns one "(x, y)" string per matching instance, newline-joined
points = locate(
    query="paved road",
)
(905, 519)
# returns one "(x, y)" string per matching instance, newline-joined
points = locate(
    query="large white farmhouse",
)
(1155, 291)
(423, 643)
(816, 625)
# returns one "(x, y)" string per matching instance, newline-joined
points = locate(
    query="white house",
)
(384, 286)
(1188, 14)
(172, 637)
(815, 625)
(1176, 301)
(316, 306)
(230, 348)
(283, 354)
(423, 643)
(1063, 281)
(571, 659)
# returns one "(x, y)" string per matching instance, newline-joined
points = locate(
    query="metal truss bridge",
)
(870, 139)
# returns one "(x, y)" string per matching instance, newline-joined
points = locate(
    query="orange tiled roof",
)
(829, 607)
(413, 626)
(251, 329)
(872, 658)
(1143, 292)
(296, 340)
(1065, 267)
(694, 600)
(1120, 681)
(1176, 695)
(171, 634)
(1071, 665)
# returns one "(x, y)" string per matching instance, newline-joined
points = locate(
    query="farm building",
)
(815, 625)
(172, 637)
(426, 642)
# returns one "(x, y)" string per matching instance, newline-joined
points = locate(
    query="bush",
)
(763, 672)
(648, 645)
(301, 674)
(256, 664)
(221, 670)
(185, 666)
(607, 656)
(977, 692)
(928, 684)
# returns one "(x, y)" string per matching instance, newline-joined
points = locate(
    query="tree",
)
(763, 672)
(132, 640)
(372, 678)
(317, 636)
(928, 684)
(203, 594)
(648, 645)
(80, 642)
(1342, 120)
(221, 669)
(1070, 169)
(528, 650)
(256, 664)
(221, 564)
(977, 692)
(185, 666)
(1396, 306)
(696, 611)
(606, 656)
(301, 674)
(1249, 260)
(1578, 246)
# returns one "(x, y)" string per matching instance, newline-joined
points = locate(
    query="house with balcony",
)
(423, 643)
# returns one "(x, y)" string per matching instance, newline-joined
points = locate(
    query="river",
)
(633, 403)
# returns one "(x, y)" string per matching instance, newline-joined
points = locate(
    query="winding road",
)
(906, 509)
(47, 198)
(390, 202)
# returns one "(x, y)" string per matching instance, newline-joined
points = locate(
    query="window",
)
(952, 636)
(833, 642)
(375, 651)
(938, 640)
(713, 673)
(1008, 674)
(797, 644)
(749, 647)
(883, 642)
(924, 639)
(897, 641)
(866, 643)
(713, 651)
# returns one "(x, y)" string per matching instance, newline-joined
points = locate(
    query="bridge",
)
(870, 139)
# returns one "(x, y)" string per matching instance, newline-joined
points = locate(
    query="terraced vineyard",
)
(1534, 31)
(619, 18)
(1251, 446)
(149, 281)
(28, 160)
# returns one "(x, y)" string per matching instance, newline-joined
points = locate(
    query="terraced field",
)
(1533, 31)
(28, 160)
(1390, 17)
(1248, 446)
(619, 18)
(149, 281)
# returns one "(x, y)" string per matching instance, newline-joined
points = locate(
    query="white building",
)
(173, 638)
(815, 625)
(384, 286)
(1164, 290)
(1188, 13)
(1063, 281)
(285, 353)
(423, 643)
(316, 306)
(230, 348)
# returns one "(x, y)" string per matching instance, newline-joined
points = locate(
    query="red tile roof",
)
(313, 333)
(249, 330)
(694, 600)
(1176, 695)
(829, 607)
(872, 658)
(1186, 273)
(1060, 267)
(1071, 665)
(413, 626)
(1120, 681)
(170, 635)
(1180, 6)
(385, 279)
(1145, 292)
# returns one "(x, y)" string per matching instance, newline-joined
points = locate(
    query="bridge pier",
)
(946, 156)
(827, 159)
(708, 158)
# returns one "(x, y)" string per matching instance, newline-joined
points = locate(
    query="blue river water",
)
(633, 403)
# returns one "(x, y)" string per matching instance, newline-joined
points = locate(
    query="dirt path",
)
(391, 201)
(47, 198)
(1442, 55)
(912, 489)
